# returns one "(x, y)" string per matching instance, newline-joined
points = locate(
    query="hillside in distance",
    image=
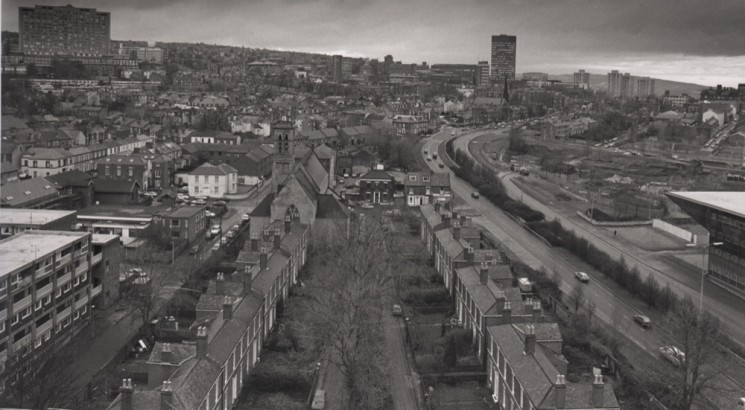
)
(675, 87)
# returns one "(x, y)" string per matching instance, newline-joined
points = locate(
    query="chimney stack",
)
(456, 230)
(220, 284)
(247, 279)
(263, 258)
(277, 238)
(561, 391)
(463, 220)
(126, 392)
(437, 207)
(288, 224)
(255, 242)
(455, 216)
(529, 340)
(201, 342)
(537, 311)
(507, 313)
(469, 254)
(166, 354)
(166, 396)
(598, 391)
(483, 273)
(227, 308)
(446, 220)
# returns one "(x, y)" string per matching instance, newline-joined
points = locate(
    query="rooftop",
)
(31, 216)
(26, 247)
(725, 201)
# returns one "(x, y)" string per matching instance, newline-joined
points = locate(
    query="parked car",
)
(216, 246)
(210, 214)
(245, 218)
(673, 355)
(441, 165)
(194, 250)
(235, 228)
(434, 156)
(229, 235)
(397, 311)
(224, 240)
(215, 230)
(200, 201)
(582, 277)
(643, 321)
(367, 205)
(475, 195)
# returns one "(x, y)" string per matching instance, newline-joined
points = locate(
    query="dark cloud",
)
(551, 33)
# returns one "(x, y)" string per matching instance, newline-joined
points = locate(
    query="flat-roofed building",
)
(723, 214)
(45, 292)
(17, 220)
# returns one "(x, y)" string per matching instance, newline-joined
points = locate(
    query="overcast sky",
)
(700, 41)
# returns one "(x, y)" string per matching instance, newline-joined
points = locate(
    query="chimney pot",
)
(201, 342)
(277, 238)
(227, 308)
(126, 392)
(561, 391)
(530, 340)
(469, 254)
(456, 230)
(220, 284)
(166, 396)
(598, 391)
(288, 224)
(166, 354)
(483, 273)
(255, 242)
(263, 258)
(507, 313)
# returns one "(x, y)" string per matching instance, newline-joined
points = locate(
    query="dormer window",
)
(425, 179)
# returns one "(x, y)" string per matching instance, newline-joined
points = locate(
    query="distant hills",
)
(675, 87)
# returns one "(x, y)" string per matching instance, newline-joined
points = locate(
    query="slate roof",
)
(114, 186)
(209, 169)
(452, 247)
(323, 151)
(433, 218)
(482, 295)
(436, 179)
(262, 283)
(376, 174)
(16, 193)
(329, 207)
(264, 208)
(535, 372)
(74, 178)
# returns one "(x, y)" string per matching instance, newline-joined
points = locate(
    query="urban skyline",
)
(647, 41)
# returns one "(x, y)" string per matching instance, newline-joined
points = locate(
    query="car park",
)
(673, 355)
(643, 321)
(582, 277)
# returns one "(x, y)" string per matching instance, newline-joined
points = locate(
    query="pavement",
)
(403, 383)
(533, 251)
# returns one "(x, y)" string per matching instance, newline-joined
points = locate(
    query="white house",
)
(711, 113)
(213, 181)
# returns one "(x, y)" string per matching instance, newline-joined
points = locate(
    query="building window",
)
(130, 172)
(118, 171)
(38, 304)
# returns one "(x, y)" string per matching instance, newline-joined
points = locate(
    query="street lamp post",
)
(703, 274)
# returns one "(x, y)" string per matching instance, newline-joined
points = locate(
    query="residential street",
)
(533, 251)
(96, 354)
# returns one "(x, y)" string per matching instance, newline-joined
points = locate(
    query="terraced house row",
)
(519, 349)
(234, 317)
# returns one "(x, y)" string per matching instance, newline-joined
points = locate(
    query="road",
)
(717, 301)
(533, 251)
(100, 351)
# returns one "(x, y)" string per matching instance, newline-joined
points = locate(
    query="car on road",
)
(224, 240)
(429, 158)
(441, 165)
(245, 218)
(216, 246)
(230, 235)
(210, 214)
(397, 311)
(434, 156)
(643, 321)
(475, 195)
(425, 152)
(235, 228)
(582, 277)
(194, 250)
(673, 355)
(367, 205)
(215, 230)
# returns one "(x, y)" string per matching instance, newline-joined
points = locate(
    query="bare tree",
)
(46, 383)
(577, 296)
(591, 308)
(697, 334)
(152, 285)
(353, 279)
